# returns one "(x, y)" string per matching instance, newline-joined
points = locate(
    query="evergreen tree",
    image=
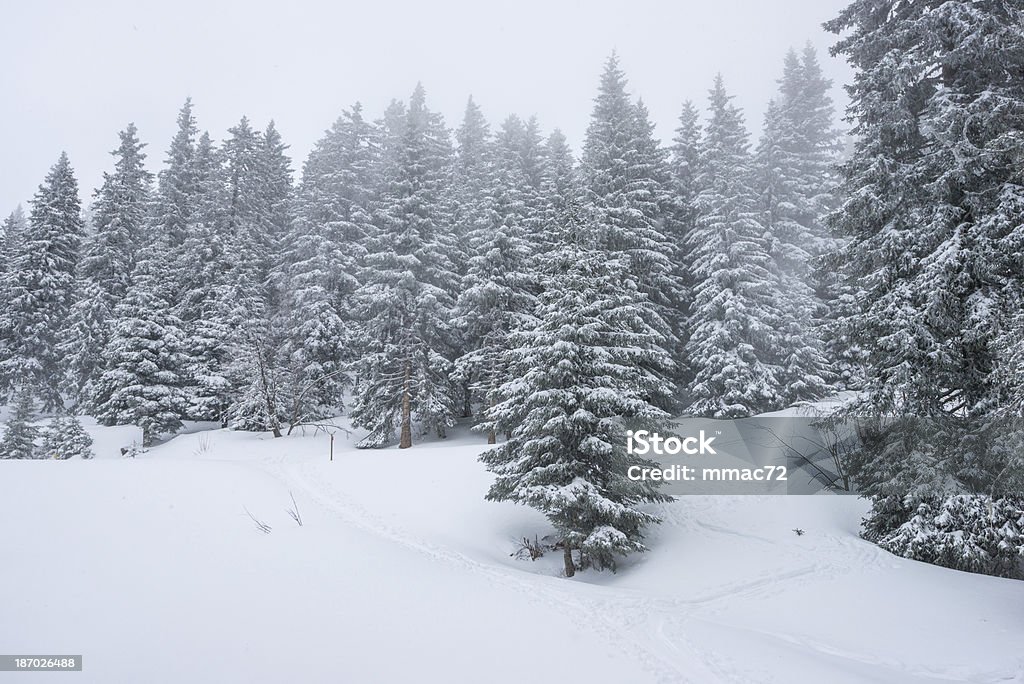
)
(259, 399)
(202, 279)
(579, 378)
(12, 232)
(144, 368)
(497, 294)
(18, 440)
(736, 298)
(38, 287)
(275, 208)
(624, 177)
(328, 239)
(559, 189)
(65, 438)
(793, 165)
(471, 182)
(242, 155)
(176, 182)
(685, 169)
(108, 256)
(404, 303)
(932, 199)
(932, 236)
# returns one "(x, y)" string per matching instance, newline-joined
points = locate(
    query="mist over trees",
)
(416, 277)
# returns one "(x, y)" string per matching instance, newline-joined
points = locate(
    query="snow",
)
(153, 571)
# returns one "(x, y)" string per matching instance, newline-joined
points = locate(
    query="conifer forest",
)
(486, 283)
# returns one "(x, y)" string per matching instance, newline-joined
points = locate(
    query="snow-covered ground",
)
(152, 569)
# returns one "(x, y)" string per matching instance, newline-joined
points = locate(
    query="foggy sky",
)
(72, 74)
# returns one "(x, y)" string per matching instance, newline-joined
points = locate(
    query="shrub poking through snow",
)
(970, 532)
(66, 438)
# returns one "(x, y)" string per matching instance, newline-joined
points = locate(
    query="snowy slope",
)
(152, 569)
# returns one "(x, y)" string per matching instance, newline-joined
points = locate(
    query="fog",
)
(74, 74)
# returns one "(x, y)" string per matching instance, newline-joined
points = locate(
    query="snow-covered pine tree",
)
(624, 177)
(931, 218)
(11, 234)
(497, 295)
(472, 217)
(259, 399)
(591, 368)
(242, 156)
(471, 182)
(258, 217)
(684, 170)
(932, 193)
(403, 306)
(203, 270)
(736, 297)
(108, 257)
(176, 182)
(318, 275)
(794, 177)
(65, 438)
(19, 437)
(559, 190)
(275, 210)
(37, 289)
(684, 167)
(532, 164)
(144, 366)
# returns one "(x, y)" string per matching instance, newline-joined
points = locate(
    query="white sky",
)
(74, 73)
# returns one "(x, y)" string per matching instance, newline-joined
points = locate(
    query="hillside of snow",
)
(152, 569)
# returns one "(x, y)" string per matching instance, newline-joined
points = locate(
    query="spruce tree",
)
(931, 226)
(18, 440)
(11, 234)
(318, 276)
(108, 257)
(559, 190)
(403, 306)
(497, 294)
(65, 438)
(37, 289)
(144, 367)
(736, 293)
(471, 181)
(203, 275)
(794, 178)
(176, 182)
(589, 369)
(932, 196)
(624, 178)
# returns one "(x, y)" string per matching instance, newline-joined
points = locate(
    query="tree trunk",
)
(467, 401)
(268, 398)
(570, 567)
(492, 436)
(405, 441)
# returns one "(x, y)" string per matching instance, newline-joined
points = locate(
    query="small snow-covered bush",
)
(970, 532)
(66, 438)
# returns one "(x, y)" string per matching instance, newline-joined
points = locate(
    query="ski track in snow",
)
(615, 615)
(589, 615)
